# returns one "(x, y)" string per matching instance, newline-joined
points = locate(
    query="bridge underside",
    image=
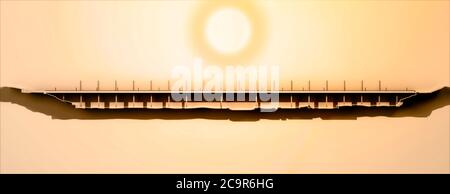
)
(233, 101)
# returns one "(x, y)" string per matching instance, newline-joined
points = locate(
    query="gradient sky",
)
(47, 44)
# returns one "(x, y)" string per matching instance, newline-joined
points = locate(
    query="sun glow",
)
(228, 30)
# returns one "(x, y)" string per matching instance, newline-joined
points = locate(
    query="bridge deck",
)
(235, 100)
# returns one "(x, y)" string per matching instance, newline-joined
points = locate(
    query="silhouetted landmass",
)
(420, 105)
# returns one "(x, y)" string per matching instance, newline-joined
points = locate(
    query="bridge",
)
(248, 100)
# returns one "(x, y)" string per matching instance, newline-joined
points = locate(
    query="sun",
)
(228, 30)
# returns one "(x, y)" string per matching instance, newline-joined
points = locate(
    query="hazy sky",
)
(402, 43)
(46, 44)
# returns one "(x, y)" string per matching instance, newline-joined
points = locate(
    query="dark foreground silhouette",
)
(420, 105)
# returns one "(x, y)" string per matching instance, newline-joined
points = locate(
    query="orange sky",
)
(393, 41)
(46, 44)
